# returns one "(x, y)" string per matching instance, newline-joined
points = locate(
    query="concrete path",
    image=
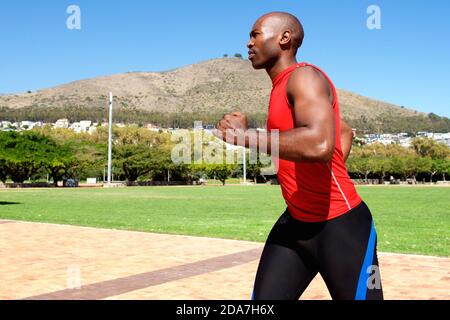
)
(48, 261)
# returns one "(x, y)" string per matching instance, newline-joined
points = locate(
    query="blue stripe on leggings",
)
(253, 295)
(368, 260)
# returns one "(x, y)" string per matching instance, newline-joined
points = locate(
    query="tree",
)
(424, 165)
(445, 168)
(3, 171)
(434, 168)
(439, 151)
(22, 153)
(219, 171)
(26, 154)
(253, 170)
(362, 165)
(140, 153)
(428, 147)
(238, 55)
(413, 165)
(442, 166)
(397, 164)
(381, 166)
(90, 160)
(134, 160)
(88, 152)
(58, 160)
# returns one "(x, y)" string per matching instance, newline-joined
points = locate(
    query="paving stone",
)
(49, 261)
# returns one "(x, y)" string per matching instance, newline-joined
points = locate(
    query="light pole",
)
(110, 138)
(245, 165)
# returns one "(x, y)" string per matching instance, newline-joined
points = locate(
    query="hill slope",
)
(210, 87)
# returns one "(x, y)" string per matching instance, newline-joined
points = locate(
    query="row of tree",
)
(424, 160)
(391, 123)
(138, 154)
(384, 123)
(143, 155)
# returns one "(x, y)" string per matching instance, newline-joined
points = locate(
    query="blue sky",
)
(406, 62)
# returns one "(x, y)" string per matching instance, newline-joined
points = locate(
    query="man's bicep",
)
(346, 139)
(312, 107)
(345, 128)
(316, 115)
(315, 128)
(308, 92)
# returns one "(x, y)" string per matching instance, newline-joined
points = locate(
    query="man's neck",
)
(279, 66)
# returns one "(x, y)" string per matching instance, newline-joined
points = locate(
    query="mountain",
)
(211, 87)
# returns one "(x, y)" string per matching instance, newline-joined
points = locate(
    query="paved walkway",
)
(47, 261)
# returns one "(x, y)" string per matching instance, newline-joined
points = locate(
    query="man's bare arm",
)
(346, 139)
(313, 138)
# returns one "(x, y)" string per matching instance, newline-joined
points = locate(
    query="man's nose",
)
(250, 44)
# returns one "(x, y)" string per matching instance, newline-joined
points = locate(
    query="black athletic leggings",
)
(342, 250)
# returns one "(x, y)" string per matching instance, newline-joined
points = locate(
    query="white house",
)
(62, 123)
(27, 125)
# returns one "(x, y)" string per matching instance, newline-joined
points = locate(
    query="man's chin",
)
(256, 65)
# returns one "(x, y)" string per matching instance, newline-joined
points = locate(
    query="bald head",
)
(275, 37)
(283, 21)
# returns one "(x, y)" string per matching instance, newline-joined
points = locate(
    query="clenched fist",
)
(232, 126)
(234, 120)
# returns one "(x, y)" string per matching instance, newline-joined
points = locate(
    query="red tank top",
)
(315, 191)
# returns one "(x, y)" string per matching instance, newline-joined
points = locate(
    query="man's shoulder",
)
(306, 76)
(306, 71)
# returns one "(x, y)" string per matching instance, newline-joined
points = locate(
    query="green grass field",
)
(408, 219)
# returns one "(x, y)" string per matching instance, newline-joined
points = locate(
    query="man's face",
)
(264, 43)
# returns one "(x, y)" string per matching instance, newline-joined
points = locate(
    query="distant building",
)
(406, 142)
(442, 138)
(27, 125)
(151, 127)
(424, 134)
(81, 127)
(404, 139)
(62, 123)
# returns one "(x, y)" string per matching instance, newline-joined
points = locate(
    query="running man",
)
(326, 228)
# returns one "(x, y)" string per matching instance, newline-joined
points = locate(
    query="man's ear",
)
(285, 37)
